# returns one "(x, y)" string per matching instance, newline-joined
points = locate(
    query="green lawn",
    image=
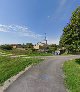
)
(72, 75)
(11, 66)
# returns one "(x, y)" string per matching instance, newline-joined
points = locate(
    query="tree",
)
(6, 47)
(52, 48)
(29, 45)
(70, 38)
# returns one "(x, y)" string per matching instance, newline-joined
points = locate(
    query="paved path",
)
(45, 77)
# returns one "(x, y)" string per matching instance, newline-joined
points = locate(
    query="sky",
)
(26, 21)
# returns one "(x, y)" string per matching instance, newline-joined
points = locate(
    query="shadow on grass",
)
(78, 61)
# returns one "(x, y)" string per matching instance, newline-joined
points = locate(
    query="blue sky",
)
(23, 21)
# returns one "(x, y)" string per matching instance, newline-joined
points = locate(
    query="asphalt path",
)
(45, 77)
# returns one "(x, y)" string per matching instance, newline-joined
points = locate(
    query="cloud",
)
(4, 28)
(20, 30)
(53, 41)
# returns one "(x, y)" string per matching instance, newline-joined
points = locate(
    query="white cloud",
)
(53, 41)
(4, 28)
(20, 30)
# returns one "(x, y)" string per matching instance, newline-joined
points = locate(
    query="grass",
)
(40, 54)
(12, 66)
(66, 54)
(23, 52)
(4, 52)
(72, 75)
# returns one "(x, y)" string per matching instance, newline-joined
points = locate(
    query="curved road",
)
(44, 77)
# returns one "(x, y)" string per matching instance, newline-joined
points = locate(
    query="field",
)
(72, 75)
(11, 66)
(23, 52)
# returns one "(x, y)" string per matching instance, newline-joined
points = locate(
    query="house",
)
(41, 46)
(16, 46)
(38, 45)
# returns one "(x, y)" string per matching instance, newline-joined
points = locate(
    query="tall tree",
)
(70, 38)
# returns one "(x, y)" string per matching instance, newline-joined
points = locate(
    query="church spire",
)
(45, 39)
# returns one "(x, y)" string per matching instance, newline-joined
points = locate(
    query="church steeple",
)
(45, 39)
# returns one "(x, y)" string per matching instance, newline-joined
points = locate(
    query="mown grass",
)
(72, 75)
(12, 66)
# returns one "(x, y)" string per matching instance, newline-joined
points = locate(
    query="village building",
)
(38, 45)
(41, 46)
(16, 46)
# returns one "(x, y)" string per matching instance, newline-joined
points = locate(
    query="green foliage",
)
(29, 45)
(71, 33)
(40, 54)
(18, 52)
(72, 75)
(11, 66)
(52, 48)
(6, 47)
(28, 50)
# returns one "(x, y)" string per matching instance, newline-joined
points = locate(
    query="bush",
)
(6, 47)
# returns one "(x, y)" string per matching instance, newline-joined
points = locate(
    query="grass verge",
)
(40, 54)
(72, 75)
(12, 66)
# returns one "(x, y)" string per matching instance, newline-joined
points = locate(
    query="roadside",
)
(72, 75)
(10, 66)
(45, 77)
